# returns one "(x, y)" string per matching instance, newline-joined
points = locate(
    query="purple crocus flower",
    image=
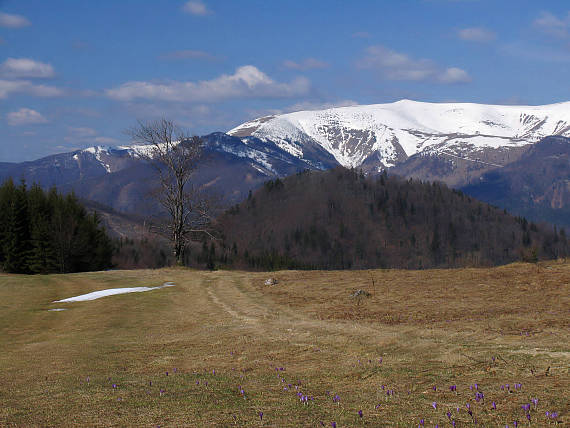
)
(114, 386)
(434, 388)
(494, 406)
(360, 413)
(449, 415)
(261, 415)
(421, 422)
(333, 424)
(434, 405)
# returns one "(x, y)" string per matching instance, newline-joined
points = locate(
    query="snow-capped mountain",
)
(380, 136)
(116, 176)
(455, 143)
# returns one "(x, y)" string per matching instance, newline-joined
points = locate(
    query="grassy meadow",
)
(221, 347)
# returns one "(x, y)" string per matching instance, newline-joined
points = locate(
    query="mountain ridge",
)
(236, 164)
(383, 135)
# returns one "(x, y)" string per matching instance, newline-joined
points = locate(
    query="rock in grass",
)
(360, 293)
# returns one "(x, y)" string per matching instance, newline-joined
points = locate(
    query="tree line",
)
(46, 232)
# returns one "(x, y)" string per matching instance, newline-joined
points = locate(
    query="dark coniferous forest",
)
(340, 219)
(47, 232)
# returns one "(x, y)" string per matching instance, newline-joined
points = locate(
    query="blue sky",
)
(77, 73)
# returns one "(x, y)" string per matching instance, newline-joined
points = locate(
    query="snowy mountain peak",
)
(387, 134)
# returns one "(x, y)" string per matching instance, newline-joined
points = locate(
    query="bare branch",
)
(175, 155)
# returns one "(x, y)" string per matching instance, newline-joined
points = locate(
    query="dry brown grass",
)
(431, 328)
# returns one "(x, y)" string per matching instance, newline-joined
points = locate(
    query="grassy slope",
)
(431, 328)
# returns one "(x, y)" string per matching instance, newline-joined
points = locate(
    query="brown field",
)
(105, 362)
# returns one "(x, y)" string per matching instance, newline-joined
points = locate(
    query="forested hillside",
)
(340, 219)
(47, 232)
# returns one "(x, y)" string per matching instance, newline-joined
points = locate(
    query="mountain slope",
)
(119, 178)
(340, 219)
(385, 135)
(537, 185)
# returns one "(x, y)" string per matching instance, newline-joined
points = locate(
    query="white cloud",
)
(25, 116)
(195, 7)
(454, 75)
(307, 64)
(8, 87)
(13, 21)
(188, 54)
(477, 34)
(552, 25)
(18, 68)
(399, 66)
(246, 82)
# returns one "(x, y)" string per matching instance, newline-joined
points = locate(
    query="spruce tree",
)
(17, 237)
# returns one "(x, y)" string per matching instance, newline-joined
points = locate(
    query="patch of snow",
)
(144, 150)
(97, 151)
(111, 292)
(56, 310)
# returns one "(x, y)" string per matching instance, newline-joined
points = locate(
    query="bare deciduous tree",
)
(175, 155)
